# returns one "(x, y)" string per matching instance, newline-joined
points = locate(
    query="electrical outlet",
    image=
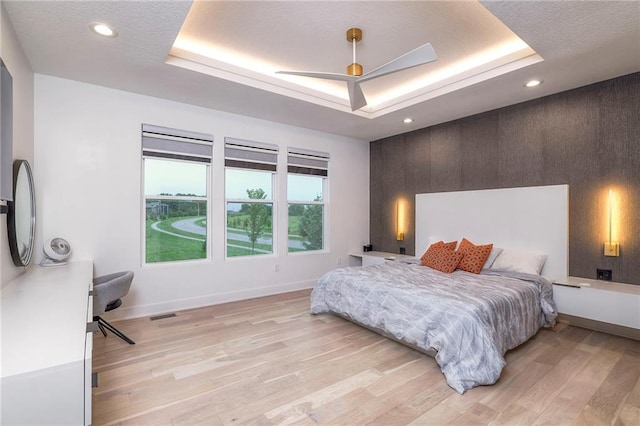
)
(339, 261)
(604, 274)
(276, 268)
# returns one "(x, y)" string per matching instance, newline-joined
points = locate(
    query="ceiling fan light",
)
(354, 69)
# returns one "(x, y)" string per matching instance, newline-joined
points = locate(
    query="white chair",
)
(107, 293)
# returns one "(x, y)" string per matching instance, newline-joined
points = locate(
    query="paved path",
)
(190, 225)
(155, 227)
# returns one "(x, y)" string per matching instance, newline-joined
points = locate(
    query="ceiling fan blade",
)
(356, 97)
(418, 56)
(325, 75)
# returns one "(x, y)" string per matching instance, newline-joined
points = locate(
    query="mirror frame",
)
(24, 259)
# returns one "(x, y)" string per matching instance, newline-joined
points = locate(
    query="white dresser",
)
(46, 346)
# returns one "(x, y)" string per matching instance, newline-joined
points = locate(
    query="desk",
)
(46, 346)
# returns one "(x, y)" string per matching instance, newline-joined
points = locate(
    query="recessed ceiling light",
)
(103, 29)
(533, 83)
(407, 120)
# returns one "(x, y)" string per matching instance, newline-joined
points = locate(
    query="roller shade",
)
(307, 162)
(250, 155)
(164, 142)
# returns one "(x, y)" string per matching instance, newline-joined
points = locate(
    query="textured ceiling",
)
(580, 43)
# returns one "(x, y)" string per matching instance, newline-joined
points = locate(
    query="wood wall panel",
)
(520, 144)
(446, 169)
(387, 164)
(480, 156)
(588, 138)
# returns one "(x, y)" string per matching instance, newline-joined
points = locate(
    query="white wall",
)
(87, 148)
(20, 69)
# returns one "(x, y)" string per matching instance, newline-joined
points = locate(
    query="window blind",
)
(307, 162)
(176, 144)
(250, 155)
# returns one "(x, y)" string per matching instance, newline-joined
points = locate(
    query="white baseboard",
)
(129, 312)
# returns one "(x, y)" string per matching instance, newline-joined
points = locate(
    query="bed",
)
(467, 321)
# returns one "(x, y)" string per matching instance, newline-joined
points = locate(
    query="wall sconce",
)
(400, 220)
(611, 248)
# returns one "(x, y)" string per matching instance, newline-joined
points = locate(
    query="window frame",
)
(259, 157)
(302, 162)
(176, 139)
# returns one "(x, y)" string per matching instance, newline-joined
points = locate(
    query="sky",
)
(191, 178)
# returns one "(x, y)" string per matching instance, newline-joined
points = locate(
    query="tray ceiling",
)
(224, 54)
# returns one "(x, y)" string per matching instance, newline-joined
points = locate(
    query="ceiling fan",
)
(418, 56)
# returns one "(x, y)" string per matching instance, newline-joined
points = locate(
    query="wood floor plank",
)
(543, 392)
(366, 411)
(392, 379)
(434, 391)
(268, 361)
(517, 387)
(477, 414)
(576, 393)
(514, 414)
(565, 342)
(606, 402)
(441, 414)
(634, 396)
(322, 396)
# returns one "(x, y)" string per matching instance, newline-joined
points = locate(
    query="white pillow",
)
(519, 261)
(495, 251)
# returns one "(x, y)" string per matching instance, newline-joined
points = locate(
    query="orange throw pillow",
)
(442, 257)
(474, 256)
(451, 246)
(443, 260)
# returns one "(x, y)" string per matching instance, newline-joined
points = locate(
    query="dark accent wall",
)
(588, 138)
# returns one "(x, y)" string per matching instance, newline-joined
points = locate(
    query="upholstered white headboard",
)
(530, 218)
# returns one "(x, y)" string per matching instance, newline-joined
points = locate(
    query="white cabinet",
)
(46, 348)
(378, 257)
(601, 305)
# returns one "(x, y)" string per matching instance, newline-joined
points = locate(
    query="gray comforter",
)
(470, 320)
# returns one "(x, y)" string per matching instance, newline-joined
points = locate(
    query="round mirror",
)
(21, 215)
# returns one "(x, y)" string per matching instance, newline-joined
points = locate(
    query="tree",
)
(296, 210)
(258, 215)
(311, 226)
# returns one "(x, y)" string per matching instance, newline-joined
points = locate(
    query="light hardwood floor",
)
(267, 361)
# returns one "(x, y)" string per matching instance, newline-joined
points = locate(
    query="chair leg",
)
(101, 327)
(103, 323)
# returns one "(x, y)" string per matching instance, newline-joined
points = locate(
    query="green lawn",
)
(245, 250)
(236, 220)
(161, 247)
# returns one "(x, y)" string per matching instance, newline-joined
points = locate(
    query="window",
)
(176, 192)
(306, 195)
(250, 168)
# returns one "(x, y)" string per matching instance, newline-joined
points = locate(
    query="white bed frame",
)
(533, 218)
